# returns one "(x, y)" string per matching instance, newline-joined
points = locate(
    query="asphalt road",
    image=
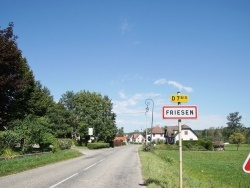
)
(112, 168)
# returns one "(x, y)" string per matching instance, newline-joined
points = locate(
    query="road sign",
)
(179, 112)
(246, 165)
(91, 131)
(179, 98)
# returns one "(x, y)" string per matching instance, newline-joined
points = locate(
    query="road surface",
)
(113, 168)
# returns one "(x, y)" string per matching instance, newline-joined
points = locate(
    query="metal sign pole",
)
(180, 145)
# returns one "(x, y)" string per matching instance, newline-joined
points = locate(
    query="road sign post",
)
(180, 144)
(179, 112)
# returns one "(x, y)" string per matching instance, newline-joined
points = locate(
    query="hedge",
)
(197, 144)
(97, 145)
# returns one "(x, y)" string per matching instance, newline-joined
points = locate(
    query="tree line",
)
(28, 113)
(235, 132)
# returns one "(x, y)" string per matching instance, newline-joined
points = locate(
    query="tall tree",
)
(120, 131)
(94, 111)
(67, 100)
(40, 101)
(16, 79)
(233, 123)
(60, 120)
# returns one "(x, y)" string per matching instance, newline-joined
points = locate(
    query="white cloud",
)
(134, 104)
(160, 81)
(122, 95)
(163, 81)
(180, 86)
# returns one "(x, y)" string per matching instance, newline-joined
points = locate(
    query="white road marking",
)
(77, 173)
(63, 180)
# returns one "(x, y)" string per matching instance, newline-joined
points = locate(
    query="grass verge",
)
(12, 166)
(160, 168)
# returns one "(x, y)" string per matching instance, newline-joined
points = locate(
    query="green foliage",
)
(8, 153)
(234, 124)
(46, 140)
(237, 138)
(94, 111)
(97, 145)
(197, 144)
(65, 143)
(10, 139)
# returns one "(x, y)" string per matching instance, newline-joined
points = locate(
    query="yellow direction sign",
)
(179, 98)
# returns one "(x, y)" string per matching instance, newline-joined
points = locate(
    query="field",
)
(160, 168)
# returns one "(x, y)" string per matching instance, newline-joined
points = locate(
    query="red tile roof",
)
(123, 138)
(157, 130)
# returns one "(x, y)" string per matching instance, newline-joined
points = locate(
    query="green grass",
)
(12, 166)
(200, 168)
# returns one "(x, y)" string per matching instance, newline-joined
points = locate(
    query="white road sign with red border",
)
(179, 112)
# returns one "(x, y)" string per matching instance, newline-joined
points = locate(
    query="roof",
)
(218, 143)
(157, 130)
(123, 138)
(172, 129)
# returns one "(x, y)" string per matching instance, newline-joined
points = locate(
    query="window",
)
(186, 133)
(153, 135)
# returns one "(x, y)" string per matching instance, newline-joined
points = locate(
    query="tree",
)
(40, 100)
(233, 123)
(120, 131)
(94, 111)
(237, 138)
(60, 119)
(16, 79)
(67, 100)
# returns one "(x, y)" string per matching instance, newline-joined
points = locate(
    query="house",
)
(157, 134)
(218, 146)
(119, 141)
(137, 137)
(172, 132)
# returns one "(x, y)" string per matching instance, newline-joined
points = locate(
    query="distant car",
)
(226, 143)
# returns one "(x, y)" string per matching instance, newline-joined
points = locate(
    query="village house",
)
(172, 132)
(135, 138)
(157, 134)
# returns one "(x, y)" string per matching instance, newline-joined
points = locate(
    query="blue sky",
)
(134, 50)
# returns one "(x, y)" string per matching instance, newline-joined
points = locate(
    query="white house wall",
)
(157, 137)
(189, 136)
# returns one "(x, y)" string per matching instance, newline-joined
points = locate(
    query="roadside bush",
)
(197, 144)
(97, 145)
(65, 143)
(8, 153)
(9, 139)
(46, 141)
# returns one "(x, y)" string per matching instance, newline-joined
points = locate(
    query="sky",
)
(136, 50)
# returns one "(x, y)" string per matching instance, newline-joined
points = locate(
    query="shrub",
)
(65, 143)
(97, 145)
(8, 153)
(197, 144)
(47, 140)
(9, 139)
